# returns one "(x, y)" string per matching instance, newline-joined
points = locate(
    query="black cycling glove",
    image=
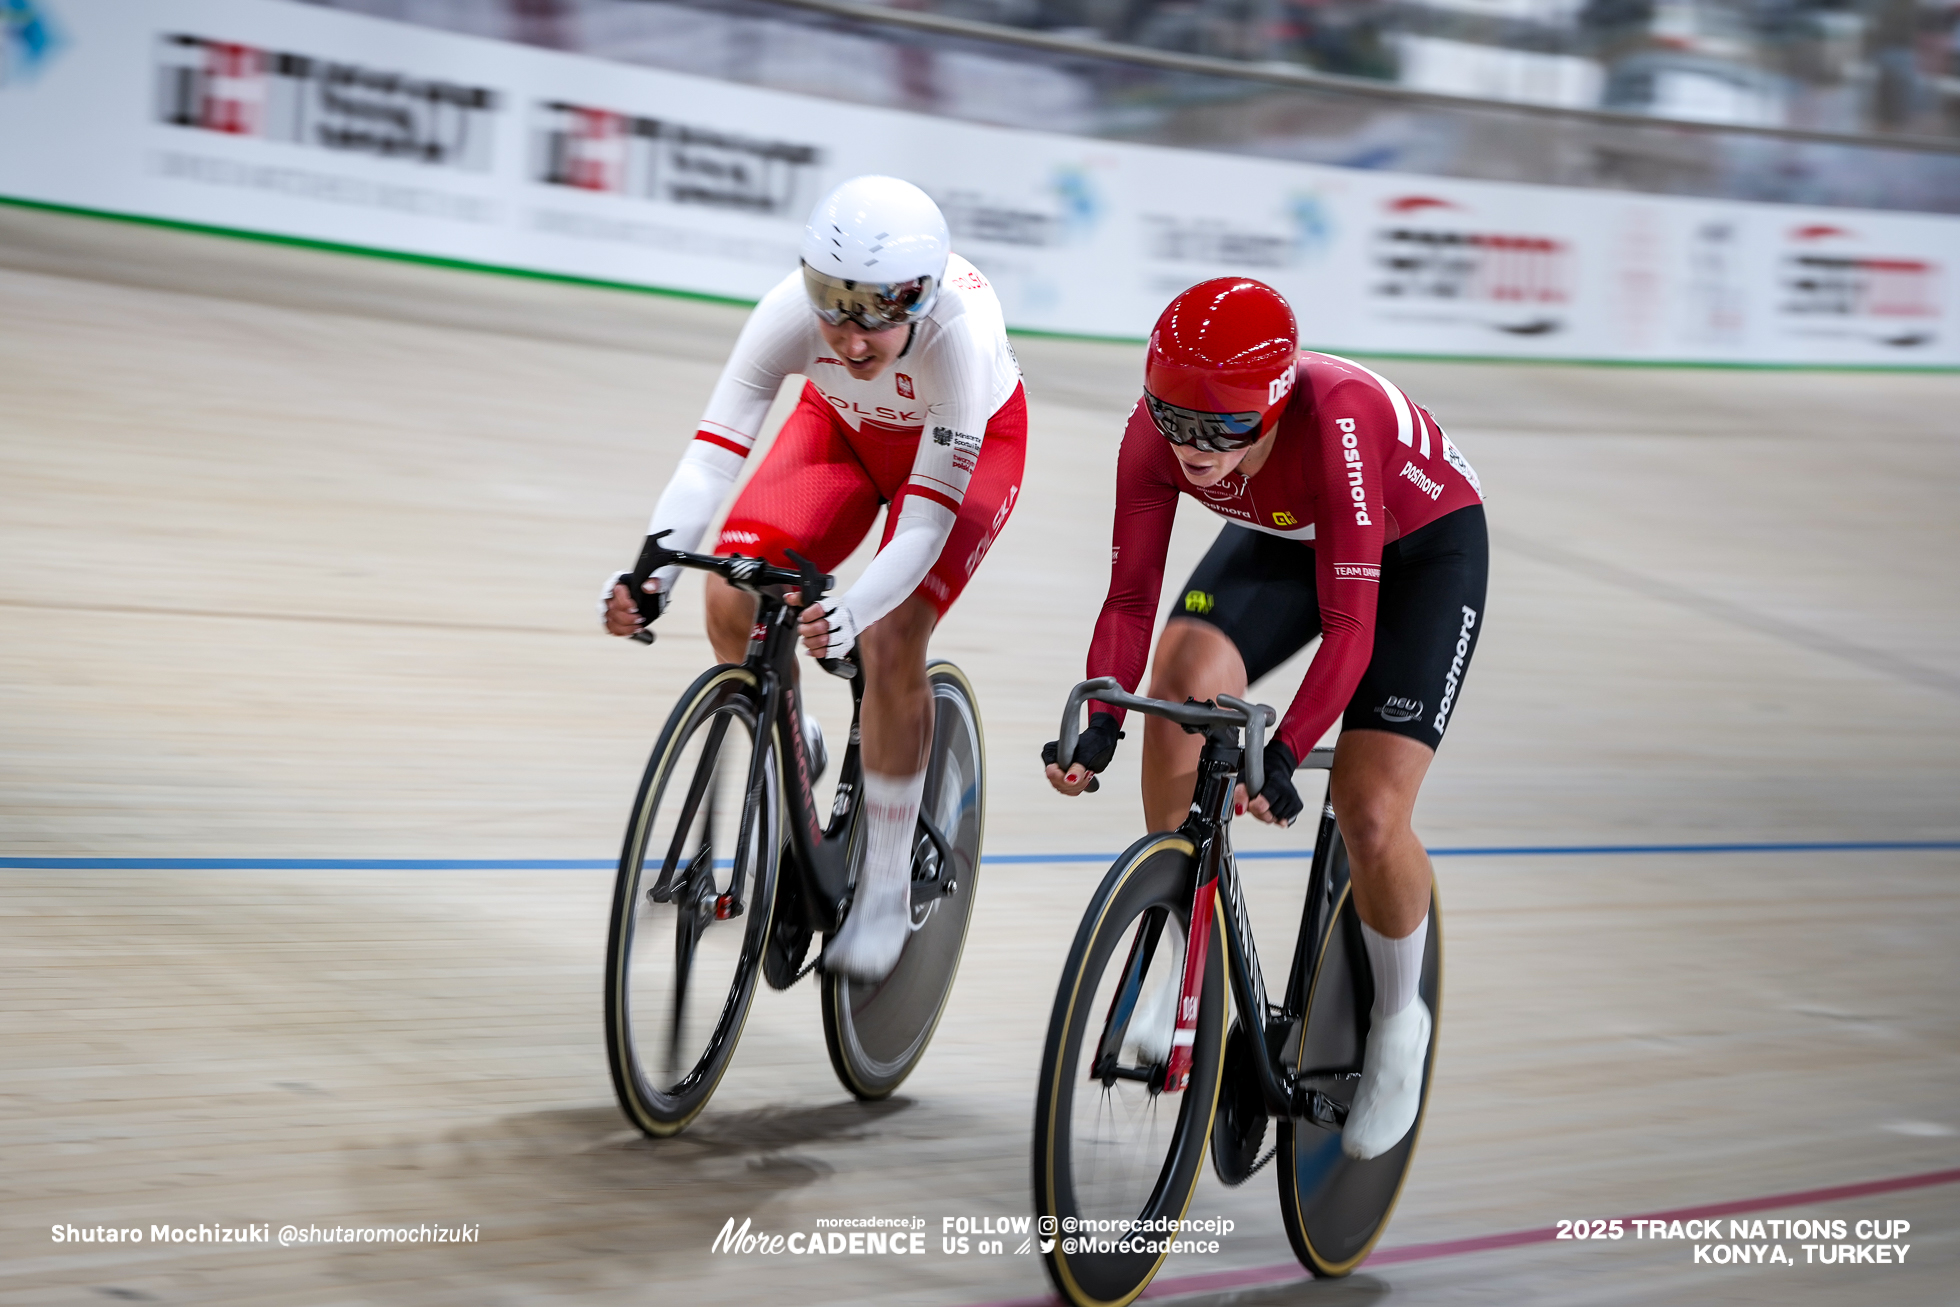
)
(1282, 800)
(1094, 747)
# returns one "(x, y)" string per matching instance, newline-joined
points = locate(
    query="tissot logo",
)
(597, 149)
(241, 90)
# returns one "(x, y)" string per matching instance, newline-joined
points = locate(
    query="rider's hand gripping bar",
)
(1252, 718)
(747, 573)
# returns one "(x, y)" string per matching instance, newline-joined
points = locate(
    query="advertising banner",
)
(287, 119)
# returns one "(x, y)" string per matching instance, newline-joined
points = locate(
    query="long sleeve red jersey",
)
(1355, 465)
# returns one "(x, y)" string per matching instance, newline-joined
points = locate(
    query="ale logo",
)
(1284, 519)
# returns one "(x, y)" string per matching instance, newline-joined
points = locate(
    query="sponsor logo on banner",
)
(1306, 231)
(242, 90)
(1213, 240)
(1080, 199)
(29, 38)
(1832, 287)
(972, 216)
(1437, 262)
(616, 153)
(1717, 285)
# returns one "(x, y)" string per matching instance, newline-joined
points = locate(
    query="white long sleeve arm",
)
(894, 574)
(692, 498)
(774, 342)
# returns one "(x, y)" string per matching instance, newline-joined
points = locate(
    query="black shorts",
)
(1259, 590)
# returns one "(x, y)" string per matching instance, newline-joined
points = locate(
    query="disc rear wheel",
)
(877, 1032)
(1334, 1207)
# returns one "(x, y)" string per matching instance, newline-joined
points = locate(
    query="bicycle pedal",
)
(727, 906)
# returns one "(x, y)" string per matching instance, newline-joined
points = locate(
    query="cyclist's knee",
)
(895, 644)
(1373, 823)
(730, 615)
(1195, 660)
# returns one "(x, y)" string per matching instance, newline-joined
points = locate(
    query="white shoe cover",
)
(1391, 1083)
(880, 919)
(1153, 1022)
(875, 929)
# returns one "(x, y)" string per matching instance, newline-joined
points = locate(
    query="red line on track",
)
(1217, 1281)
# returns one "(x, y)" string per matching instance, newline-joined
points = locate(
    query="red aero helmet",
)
(1225, 349)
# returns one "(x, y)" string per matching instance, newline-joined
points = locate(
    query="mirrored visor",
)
(1216, 433)
(873, 306)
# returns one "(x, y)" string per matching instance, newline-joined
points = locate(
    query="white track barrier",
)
(288, 120)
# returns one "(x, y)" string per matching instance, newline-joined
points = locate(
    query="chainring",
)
(1239, 1128)
(789, 931)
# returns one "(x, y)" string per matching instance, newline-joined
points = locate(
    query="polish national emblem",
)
(904, 386)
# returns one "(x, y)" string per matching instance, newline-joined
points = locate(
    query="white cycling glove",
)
(843, 627)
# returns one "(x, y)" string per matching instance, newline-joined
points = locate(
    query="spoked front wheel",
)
(1114, 1154)
(876, 1033)
(1334, 1207)
(692, 905)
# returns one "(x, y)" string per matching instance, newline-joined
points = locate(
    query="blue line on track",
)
(998, 859)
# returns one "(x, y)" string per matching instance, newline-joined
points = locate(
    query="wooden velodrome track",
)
(300, 551)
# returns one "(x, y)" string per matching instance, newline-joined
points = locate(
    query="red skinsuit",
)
(1355, 466)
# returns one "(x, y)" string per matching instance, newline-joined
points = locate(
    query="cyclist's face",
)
(1205, 468)
(865, 353)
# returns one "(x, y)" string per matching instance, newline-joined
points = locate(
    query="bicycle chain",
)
(1260, 1165)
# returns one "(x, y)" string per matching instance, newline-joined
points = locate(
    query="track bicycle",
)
(728, 869)
(1140, 1070)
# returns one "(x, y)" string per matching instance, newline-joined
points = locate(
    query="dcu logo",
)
(28, 40)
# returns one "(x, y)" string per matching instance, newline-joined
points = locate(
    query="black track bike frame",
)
(1222, 763)
(818, 849)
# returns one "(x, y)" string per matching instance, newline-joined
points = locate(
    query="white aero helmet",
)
(874, 253)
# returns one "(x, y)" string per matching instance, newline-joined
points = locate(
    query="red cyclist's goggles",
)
(1216, 433)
